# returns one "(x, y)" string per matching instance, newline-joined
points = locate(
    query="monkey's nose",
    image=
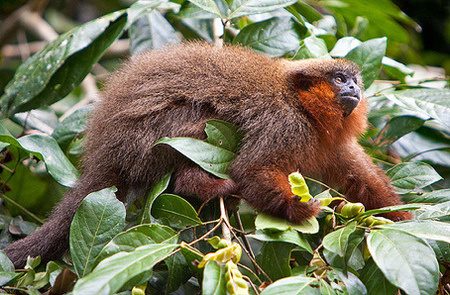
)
(349, 103)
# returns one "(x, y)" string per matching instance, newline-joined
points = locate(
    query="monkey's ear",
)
(300, 79)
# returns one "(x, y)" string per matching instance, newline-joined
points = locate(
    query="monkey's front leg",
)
(267, 189)
(363, 181)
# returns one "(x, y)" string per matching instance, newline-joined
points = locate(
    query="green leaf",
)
(218, 7)
(275, 36)
(45, 148)
(368, 57)
(56, 70)
(441, 249)
(157, 189)
(433, 103)
(6, 277)
(72, 125)
(400, 126)
(248, 7)
(150, 32)
(178, 273)
(286, 236)
(340, 244)
(344, 45)
(438, 196)
(274, 259)
(5, 264)
(52, 270)
(292, 286)
(352, 283)
(98, 219)
(141, 8)
(312, 47)
(396, 254)
(177, 211)
(325, 288)
(375, 281)
(396, 69)
(425, 229)
(214, 279)
(396, 208)
(113, 272)
(264, 221)
(223, 134)
(213, 159)
(410, 176)
(439, 212)
(137, 236)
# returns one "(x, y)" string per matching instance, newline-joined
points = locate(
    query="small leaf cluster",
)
(156, 245)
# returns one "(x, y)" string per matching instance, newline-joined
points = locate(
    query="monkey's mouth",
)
(349, 103)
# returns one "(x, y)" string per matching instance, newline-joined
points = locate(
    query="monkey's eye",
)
(339, 78)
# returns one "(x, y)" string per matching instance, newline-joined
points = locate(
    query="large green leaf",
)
(72, 125)
(368, 57)
(292, 286)
(438, 212)
(175, 210)
(275, 36)
(138, 236)
(340, 244)
(47, 149)
(352, 283)
(211, 158)
(264, 221)
(214, 282)
(312, 47)
(438, 196)
(247, 7)
(223, 134)
(156, 190)
(56, 70)
(400, 126)
(426, 229)
(98, 219)
(286, 236)
(218, 7)
(375, 282)
(150, 32)
(112, 273)
(434, 103)
(410, 176)
(274, 259)
(406, 261)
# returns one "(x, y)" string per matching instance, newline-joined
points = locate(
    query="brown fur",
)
(288, 112)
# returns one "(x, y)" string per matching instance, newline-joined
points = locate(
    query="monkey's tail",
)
(51, 241)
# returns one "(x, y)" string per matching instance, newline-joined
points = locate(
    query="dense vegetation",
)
(165, 244)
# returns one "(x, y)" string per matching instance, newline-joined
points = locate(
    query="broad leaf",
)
(175, 210)
(217, 7)
(274, 259)
(47, 149)
(375, 282)
(214, 279)
(286, 236)
(399, 126)
(352, 283)
(438, 212)
(112, 273)
(264, 221)
(97, 220)
(247, 7)
(433, 103)
(292, 286)
(425, 229)
(223, 134)
(368, 57)
(137, 236)
(312, 47)
(438, 196)
(55, 71)
(5, 264)
(157, 189)
(150, 32)
(410, 176)
(275, 36)
(395, 253)
(396, 69)
(72, 125)
(211, 158)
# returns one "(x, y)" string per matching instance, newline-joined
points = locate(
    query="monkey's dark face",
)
(349, 93)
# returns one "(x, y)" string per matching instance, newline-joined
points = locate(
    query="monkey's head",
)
(335, 81)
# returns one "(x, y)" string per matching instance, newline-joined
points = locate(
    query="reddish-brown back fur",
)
(172, 92)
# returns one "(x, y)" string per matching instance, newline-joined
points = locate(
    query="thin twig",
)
(207, 233)
(255, 264)
(226, 227)
(251, 284)
(242, 234)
